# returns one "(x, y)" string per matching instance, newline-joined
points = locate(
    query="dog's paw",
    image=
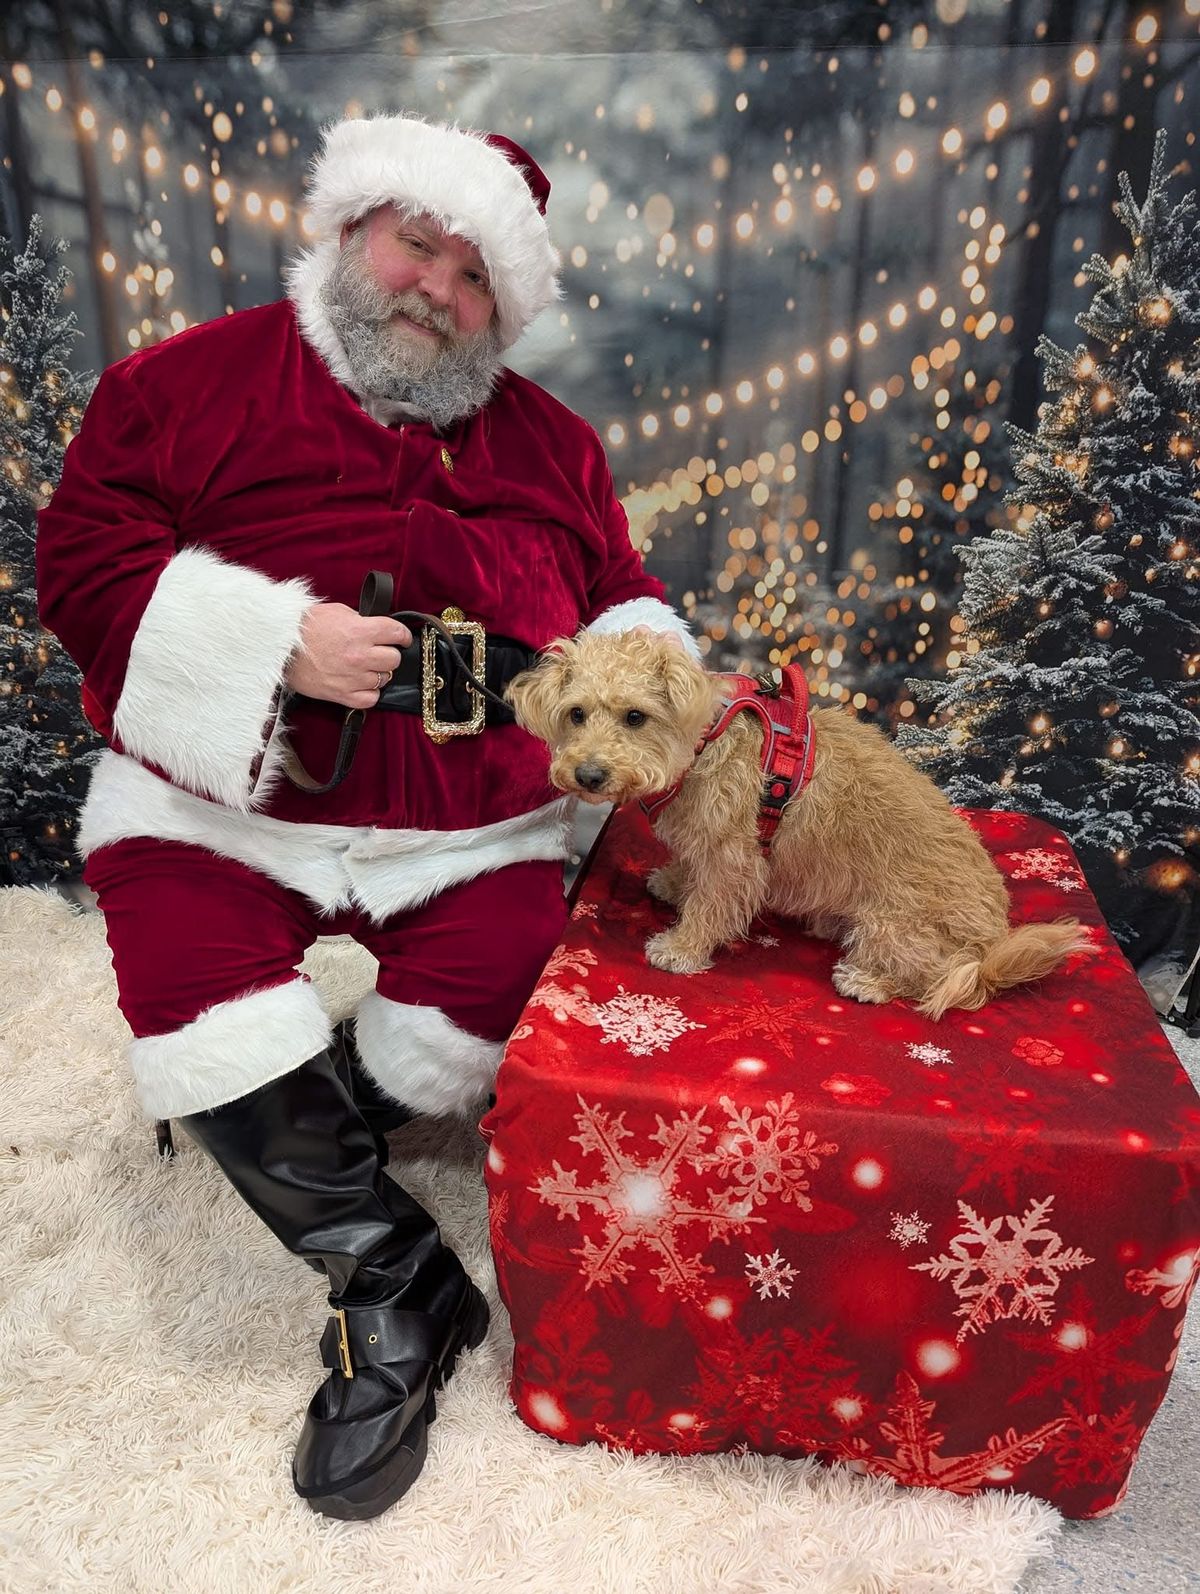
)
(665, 952)
(859, 986)
(664, 884)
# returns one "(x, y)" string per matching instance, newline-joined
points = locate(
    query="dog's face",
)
(621, 714)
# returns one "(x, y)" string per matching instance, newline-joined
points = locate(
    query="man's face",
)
(415, 315)
(418, 255)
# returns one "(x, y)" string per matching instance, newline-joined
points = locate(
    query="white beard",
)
(350, 320)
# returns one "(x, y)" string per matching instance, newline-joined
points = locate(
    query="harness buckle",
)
(769, 684)
(775, 793)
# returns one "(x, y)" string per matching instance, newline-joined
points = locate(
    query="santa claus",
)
(202, 560)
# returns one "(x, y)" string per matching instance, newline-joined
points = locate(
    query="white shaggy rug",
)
(158, 1347)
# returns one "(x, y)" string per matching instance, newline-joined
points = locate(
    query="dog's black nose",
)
(591, 776)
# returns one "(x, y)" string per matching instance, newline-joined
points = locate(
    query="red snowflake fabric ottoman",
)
(734, 1210)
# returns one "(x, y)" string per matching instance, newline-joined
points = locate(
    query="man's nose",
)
(437, 284)
(591, 776)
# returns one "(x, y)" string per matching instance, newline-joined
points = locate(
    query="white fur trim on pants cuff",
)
(650, 612)
(204, 668)
(422, 1059)
(230, 1050)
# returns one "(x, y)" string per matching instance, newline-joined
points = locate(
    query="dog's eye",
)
(578, 716)
(635, 717)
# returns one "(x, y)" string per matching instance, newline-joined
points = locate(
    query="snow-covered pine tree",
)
(1082, 701)
(45, 741)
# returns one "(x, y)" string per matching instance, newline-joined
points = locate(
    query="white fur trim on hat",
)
(204, 668)
(456, 177)
(422, 1059)
(229, 1050)
(650, 612)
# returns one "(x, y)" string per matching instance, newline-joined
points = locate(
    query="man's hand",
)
(343, 655)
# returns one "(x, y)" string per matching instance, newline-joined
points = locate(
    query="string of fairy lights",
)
(283, 210)
(772, 542)
(682, 485)
(779, 591)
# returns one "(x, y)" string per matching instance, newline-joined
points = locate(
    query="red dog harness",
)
(787, 747)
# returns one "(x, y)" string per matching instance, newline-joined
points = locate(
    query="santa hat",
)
(479, 186)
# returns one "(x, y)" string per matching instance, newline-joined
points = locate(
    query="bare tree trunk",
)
(719, 338)
(1133, 137)
(820, 383)
(862, 233)
(277, 260)
(221, 260)
(18, 183)
(1014, 64)
(1050, 156)
(1048, 160)
(103, 285)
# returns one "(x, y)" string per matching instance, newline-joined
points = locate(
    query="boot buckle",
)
(343, 1342)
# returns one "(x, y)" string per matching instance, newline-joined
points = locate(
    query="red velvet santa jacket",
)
(223, 481)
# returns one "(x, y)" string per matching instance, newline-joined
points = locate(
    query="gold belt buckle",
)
(343, 1342)
(457, 624)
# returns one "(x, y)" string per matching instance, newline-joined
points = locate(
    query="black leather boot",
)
(299, 1153)
(381, 1112)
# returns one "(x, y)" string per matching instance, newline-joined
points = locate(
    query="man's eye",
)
(478, 280)
(577, 716)
(635, 717)
(415, 243)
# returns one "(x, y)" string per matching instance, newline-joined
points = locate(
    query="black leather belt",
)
(453, 677)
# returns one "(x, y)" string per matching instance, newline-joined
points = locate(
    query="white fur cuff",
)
(422, 1059)
(650, 612)
(204, 668)
(230, 1050)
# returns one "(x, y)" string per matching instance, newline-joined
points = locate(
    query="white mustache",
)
(414, 308)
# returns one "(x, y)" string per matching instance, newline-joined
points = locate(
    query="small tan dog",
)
(869, 853)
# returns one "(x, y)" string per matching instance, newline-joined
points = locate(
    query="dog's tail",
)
(1026, 953)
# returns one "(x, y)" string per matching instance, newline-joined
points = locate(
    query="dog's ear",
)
(689, 691)
(536, 695)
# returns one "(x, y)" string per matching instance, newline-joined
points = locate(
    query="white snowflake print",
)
(566, 959)
(641, 1022)
(640, 1202)
(767, 1156)
(929, 1054)
(584, 910)
(563, 1003)
(767, 940)
(1007, 1268)
(1037, 863)
(910, 1230)
(1177, 1281)
(770, 1274)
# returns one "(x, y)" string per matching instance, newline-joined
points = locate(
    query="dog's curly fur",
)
(869, 854)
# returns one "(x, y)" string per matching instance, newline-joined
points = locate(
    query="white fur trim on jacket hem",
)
(458, 178)
(206, 662)
(650, 612)
(230, 1050)
(424, 1060)
(334, 866)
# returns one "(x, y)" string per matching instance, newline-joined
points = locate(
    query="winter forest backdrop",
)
(809, 252)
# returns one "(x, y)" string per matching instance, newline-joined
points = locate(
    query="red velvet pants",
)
(192, 932)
